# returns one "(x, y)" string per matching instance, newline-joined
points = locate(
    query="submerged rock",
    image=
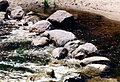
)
(60, 53)
(61, 17)
(59, 37)
(40, 26)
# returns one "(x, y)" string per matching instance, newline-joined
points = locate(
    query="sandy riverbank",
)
(107, 8)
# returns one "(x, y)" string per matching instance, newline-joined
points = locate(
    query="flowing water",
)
(94, 28)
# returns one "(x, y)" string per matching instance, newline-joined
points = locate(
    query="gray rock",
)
(40, 26)
(61, 17)
(40, 41)
(100, 67)
(16, 12)
(72, 45)
(60, 53)
(84, 49)
(59, 37)
(89, 60)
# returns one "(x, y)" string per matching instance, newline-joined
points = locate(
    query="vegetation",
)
(12, 68)
(26, 58)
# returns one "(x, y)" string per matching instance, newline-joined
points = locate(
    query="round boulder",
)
(61, 18)
(59, 37)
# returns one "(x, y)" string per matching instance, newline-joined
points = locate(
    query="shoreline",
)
(106, 8)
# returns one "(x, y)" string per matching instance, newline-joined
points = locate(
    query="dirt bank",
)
(107, 8)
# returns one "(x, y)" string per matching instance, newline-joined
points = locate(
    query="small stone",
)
(50, 72)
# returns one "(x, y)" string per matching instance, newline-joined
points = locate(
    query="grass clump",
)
(28, 58)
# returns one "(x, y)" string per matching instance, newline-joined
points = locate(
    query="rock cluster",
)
(68, 56)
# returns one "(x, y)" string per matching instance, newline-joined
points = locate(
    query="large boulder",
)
(16, 12)
(59, 37)
(84, 49)
(61, 17)
(4, 5)
(60, 53)
(93, 69)
(40, 26)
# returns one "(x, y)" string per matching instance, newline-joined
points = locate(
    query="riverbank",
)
(107, 8)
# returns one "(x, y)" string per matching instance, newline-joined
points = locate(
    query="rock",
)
(59, 37)
(89, 60)
(50, 72)
(61, 17)
(90, 71)
(2, 16)
(16, 12)
(72, 45)
(84, 50)
(100, 67)
(40, 41)
(40, 26)
(4, 5)
(60, 53)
